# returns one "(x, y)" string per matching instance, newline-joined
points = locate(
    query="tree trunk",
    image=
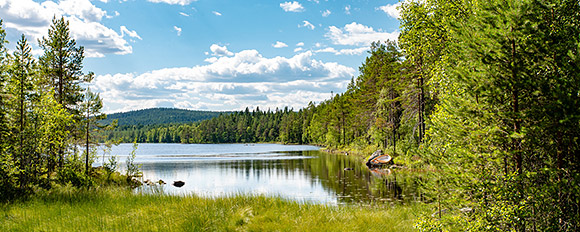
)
(87, 144)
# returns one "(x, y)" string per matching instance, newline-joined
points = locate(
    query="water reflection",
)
(306, 176)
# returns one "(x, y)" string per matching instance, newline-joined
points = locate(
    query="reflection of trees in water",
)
(358, 185)
(352, 186)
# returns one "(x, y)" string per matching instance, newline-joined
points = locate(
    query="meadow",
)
(119, 209)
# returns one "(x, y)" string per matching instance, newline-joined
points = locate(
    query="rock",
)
(148, 182)
(178, 183)
(379, 159)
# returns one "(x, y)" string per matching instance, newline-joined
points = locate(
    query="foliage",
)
(504, 134)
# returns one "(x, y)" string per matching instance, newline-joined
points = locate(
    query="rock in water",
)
(178, 183)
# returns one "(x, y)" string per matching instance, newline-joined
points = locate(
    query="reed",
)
(117, 209)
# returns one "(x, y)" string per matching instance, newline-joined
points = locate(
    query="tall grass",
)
(117, 209)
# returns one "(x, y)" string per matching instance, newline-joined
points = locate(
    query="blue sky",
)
(212, 54)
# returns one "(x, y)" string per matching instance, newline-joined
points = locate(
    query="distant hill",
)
(158, 116)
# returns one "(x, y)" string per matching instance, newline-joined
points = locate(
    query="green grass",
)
(69, 209)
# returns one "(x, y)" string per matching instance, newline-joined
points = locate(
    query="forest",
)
(482, 96)
(157, 116)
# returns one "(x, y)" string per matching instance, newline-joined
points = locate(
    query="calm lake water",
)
(295, 172)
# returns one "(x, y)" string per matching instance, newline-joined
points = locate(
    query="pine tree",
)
(61, 66)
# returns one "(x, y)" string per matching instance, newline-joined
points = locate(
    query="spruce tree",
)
(20, 87)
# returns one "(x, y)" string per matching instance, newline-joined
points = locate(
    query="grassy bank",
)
(118, 210)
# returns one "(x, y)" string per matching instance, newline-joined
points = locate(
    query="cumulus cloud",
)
(307, 24)
(184, 14)
(326, 13)
(33, 19)
(216, 13)
(358, 34)
(178, 30)
(220, 51)
(300, 44)
(173, 2)
(298, 49)
(292, 6)
(229, 83)
(279, 44)
(392, 9)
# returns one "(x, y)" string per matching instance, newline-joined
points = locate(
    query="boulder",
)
(178, 183)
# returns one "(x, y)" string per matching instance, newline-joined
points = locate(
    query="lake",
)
(296, 172)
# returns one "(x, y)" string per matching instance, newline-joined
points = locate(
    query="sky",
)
(217, 55)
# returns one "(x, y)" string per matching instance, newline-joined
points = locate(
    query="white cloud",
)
(227, 83)
(220, 51)
(358, 34)
(347, 9)
(184, 14)
(392, 9)
(114, 15)
(132, 34)
(298, 49)
(216, 13)
(300, 44)
(173, 2)
(353, 51)
(292, 6)
(326, 13)
(33, 19)
(326, 50)
(84, 9)
(279, 44)
(178, 29)
(307, 24)
(346, 51)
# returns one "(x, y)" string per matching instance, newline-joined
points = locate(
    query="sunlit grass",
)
(117, 209)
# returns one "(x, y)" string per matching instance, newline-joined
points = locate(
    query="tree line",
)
(157, 116)
(48, 115)
(238, 127)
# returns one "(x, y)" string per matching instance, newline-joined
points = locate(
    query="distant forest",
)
(218, 127)
(159, 116)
